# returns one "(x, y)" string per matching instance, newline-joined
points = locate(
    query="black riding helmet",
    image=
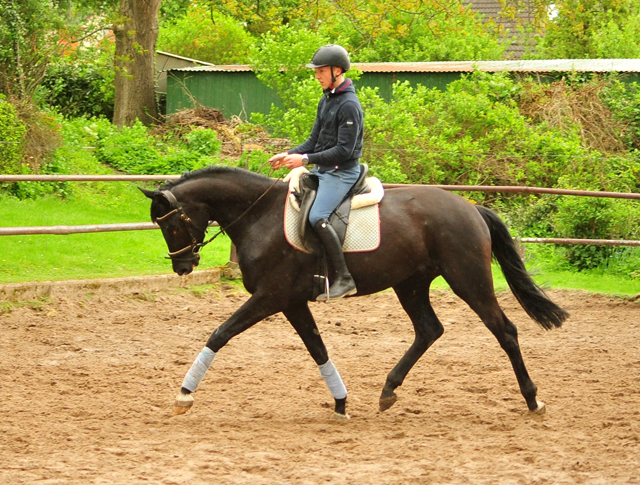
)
(331, 55)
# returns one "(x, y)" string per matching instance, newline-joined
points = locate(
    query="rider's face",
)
(323, 75)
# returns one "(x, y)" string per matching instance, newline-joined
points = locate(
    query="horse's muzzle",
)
(184, 267)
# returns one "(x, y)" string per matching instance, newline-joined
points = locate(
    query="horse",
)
(426, 232)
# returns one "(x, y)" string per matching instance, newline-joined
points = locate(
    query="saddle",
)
(339, 220)
(362, 235)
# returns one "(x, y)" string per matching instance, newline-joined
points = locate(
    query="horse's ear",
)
(149, 193)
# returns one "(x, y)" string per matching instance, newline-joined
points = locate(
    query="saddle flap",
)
(308, 191)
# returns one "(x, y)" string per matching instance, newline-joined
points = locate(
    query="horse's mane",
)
(212, 171)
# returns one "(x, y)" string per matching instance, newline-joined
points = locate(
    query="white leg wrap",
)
(332, 377)
(198, 369)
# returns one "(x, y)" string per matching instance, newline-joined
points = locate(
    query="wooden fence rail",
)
(64, 230)
(454, 188)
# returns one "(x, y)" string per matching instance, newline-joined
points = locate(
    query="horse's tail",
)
(532, 298)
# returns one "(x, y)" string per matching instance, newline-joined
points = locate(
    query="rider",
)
(335, 147)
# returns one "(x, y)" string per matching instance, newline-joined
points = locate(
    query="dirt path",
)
(88, 384)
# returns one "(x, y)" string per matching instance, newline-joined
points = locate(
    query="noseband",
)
(186, 222)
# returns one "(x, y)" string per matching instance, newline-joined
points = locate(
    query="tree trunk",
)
(135, 62)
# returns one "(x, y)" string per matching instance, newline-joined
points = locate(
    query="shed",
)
(166, 61)
(235, 89)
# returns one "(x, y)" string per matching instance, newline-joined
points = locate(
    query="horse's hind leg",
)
(414, 297)
(303, 322)
(482, 300)
(507, 334)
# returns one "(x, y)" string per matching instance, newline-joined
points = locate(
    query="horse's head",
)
(183, 233)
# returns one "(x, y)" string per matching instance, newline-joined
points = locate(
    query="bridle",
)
(190, 253)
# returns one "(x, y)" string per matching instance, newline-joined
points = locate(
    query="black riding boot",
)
(343, 284)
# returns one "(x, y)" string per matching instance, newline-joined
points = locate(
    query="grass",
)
(548, 278)
(94, 255)
(596, 283)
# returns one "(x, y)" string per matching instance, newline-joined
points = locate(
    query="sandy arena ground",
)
(88, 383)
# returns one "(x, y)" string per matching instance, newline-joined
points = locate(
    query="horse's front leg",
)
(303, 322)
(255, 309)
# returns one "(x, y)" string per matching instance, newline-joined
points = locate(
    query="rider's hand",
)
(293, 161)
(277, 160)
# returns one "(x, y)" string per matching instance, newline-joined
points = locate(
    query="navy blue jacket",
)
(336, 137)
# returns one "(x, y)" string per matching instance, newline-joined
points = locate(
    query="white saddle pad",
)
(363, 231)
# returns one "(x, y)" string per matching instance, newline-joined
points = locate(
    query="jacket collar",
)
(345, 87)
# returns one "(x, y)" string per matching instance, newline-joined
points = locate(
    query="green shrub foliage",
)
(603, 29)
(206, 36)
(81, 84)
(133, 150)
(12, 132)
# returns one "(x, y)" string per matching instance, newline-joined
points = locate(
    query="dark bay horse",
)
(425, 232)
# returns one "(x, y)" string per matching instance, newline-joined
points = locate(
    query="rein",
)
(186, 221)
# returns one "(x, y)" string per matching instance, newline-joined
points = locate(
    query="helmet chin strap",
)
(333, 77)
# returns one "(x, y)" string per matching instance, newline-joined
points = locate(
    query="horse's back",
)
(436, 215)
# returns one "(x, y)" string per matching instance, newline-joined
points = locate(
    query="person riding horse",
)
(335, 147)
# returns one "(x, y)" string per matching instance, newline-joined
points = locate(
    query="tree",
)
(206, 36)
(579, 29)
(29, 37)
(262, 16)
(136, 32)
(413, 31)
(573, 31)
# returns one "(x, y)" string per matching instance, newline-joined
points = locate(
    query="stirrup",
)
(348, 291)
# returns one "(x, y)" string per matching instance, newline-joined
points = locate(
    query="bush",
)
(12, 132)
(594, 218)
(471, 133)
(624, 102)
(42, 137)
(203, 141)
(35, 190)
(81, 84)
(133, 150)
(598, 218)
(294, 123)
(606, 29)
(280, 63)
(41, 142)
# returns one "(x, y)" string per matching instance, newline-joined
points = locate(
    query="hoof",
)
(183, 404)
(387, 402)
(541, 409)
(340, 417)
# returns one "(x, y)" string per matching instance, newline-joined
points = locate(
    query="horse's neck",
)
(227, 197)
